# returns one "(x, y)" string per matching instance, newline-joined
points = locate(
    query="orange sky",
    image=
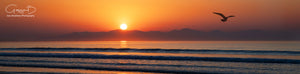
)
(64, 16)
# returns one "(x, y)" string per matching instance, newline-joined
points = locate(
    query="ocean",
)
(150, 57)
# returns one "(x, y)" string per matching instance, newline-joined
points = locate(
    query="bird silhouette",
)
(224, 17)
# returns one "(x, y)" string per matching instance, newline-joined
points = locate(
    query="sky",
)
(53, 17)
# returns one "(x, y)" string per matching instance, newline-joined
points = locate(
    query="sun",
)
(123, 26)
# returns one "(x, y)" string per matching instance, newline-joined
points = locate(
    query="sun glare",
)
(123, 26)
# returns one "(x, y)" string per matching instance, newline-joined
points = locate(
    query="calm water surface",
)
(220, 45)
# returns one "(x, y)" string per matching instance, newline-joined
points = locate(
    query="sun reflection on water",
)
(123, 44)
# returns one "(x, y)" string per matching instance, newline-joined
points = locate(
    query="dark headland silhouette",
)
(223, 16)
(183, 34)
(174, 35)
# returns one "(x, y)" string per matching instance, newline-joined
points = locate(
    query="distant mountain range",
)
(183, 34)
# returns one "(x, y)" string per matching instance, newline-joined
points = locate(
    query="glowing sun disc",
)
(123, 26)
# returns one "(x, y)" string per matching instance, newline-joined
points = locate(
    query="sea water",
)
(150, 57)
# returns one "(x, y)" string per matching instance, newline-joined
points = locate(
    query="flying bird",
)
(224, 17)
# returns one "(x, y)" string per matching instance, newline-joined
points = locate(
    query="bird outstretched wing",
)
(231, 16)
(220, 14)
